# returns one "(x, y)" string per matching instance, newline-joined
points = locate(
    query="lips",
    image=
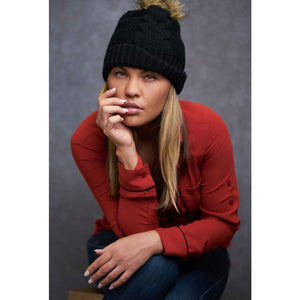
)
(132, 108)
(130, 105)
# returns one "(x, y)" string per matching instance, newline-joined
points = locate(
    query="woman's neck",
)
(147, 141)
(148, 132)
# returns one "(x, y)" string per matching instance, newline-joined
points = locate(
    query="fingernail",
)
(122, 119)
(86, 274)
(125, 109)
(113, 89)
(90, 281)
(123, 100)
(111, 288)
(100, 285)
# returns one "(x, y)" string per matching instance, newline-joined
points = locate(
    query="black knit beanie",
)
(148, 39)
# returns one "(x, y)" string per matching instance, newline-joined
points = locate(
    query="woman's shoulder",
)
(196, 113)
(88, 130)
(204, 127)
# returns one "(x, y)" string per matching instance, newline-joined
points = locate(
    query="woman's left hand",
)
(124, 257)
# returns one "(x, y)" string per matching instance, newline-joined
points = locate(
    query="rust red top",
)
(208, 197)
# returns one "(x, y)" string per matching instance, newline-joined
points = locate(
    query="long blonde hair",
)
(172, 128)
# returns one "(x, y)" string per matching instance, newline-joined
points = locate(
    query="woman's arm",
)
(219, 197)
(137, 199)
(88, 145)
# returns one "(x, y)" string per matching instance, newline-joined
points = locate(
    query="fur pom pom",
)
(173, 6)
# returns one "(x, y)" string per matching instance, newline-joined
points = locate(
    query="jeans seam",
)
(211, 287)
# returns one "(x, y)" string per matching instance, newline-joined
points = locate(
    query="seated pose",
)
(161, 169)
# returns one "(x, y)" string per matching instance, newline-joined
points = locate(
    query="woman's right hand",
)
(109, 119)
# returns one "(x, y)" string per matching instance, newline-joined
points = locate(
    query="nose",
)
(132, 88)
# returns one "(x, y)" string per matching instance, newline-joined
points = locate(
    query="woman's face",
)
(146, 93)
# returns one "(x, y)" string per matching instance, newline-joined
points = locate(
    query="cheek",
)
(157, 107)
(113, 82)
(161, 98)
(110, 82)
(164, 90)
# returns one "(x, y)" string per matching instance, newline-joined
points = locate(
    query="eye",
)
(120, 74)
(150, 77)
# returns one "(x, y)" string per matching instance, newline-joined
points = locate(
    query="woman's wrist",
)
(156, 244)
(127, 156)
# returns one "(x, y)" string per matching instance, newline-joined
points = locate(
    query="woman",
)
(161, 170)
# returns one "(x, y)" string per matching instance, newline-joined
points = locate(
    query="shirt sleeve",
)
(219, 201)
(137, 200)
(89, 152)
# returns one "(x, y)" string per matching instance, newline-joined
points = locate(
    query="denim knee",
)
(151, 282)
(160, 267)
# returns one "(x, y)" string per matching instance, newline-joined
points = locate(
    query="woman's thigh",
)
(202, 278)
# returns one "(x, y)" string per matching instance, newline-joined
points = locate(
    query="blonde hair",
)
(172, 127)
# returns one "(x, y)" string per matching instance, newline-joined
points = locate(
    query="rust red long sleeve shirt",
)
(208, 197)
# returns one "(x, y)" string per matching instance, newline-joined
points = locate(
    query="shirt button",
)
(229, 183)
(231, 202)
(144, 175)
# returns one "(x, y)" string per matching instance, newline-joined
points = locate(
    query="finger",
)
(115, 273)
(103, 271)
(110, 101)
(108, 93)
(99, 251)
(114, 110)
(98, 263)
(111, 122)
(124, 277)
(104, 112)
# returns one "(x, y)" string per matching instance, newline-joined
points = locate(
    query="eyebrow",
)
(148, 71)
(142, 72)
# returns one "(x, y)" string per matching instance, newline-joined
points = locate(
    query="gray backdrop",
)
(216, 34)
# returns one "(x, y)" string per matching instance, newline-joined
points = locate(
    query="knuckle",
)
(98, 274)
(120, 256)
(122, 280)
(91, 269)
(125, 277)
(100, 104)
(109, 278)
(105, 269)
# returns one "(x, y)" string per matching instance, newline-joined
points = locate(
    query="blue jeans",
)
(169, 278)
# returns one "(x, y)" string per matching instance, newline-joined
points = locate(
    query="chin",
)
(132, 122)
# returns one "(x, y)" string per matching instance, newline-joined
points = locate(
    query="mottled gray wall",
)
(217, 38)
